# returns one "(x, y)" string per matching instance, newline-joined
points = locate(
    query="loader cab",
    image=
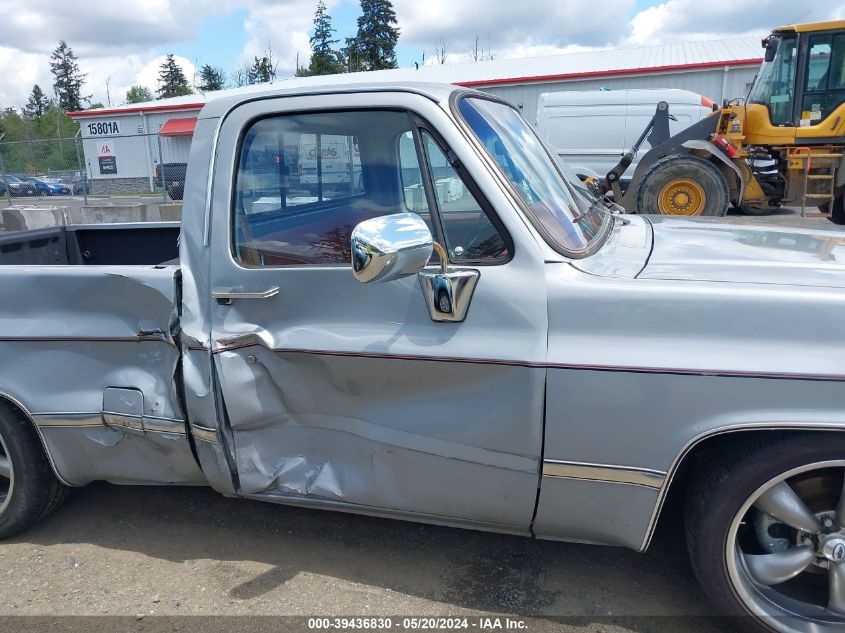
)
(824, 78)
(801, 81)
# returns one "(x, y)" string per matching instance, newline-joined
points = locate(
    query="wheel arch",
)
(10, 402)
(678, 476)
(733, 175)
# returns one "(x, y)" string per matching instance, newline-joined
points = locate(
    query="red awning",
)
(178, 127)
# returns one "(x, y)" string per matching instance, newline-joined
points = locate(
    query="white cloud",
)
(647, 24)
(679, 20)
(100, 27)
(114, 42)
(121, 41)
(508, 25)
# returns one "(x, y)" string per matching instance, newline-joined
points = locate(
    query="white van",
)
(591, 130)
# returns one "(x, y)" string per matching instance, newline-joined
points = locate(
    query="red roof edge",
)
(155, 108)
(606, 73)
(179, 127)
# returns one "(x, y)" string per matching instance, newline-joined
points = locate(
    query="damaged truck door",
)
(374, 395)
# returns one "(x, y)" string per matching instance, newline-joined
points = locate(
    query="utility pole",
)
(3, 173)
(83, 173)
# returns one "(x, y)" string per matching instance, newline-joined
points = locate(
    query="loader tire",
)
(837, 209)
(748, 209)
(683, 185)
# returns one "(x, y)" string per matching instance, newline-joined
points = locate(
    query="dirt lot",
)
(187, 551)
(143, 553)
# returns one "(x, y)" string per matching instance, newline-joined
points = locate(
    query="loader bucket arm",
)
(657, 132)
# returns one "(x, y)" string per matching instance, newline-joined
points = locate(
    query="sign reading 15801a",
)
(104, 127)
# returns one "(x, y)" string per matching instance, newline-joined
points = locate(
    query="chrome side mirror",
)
(390, 247)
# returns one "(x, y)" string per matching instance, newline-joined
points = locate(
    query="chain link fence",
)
(118, 166)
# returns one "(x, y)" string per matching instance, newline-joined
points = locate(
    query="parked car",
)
(509, 354)
(47, 188)
(17, 187)
(174, 178)
(592, 129)
(81, 185)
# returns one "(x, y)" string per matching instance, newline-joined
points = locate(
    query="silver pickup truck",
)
(456, 332)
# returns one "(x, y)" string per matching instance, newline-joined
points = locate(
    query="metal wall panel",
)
(710, 83)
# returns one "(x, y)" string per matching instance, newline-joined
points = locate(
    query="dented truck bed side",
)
(89, 354)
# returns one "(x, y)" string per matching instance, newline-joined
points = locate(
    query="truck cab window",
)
(304, 181)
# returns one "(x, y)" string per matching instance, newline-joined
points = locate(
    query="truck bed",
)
(137, 244)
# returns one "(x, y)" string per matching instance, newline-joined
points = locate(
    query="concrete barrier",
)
(21, 218)
(109, 214)
(171, 212)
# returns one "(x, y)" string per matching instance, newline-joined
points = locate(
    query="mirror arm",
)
(444, 260)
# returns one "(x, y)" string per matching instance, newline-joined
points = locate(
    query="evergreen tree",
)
(37, 103)
(67, 79)
(374, 46)
(211, 78)
(263, 70)
(138, 94)
(325, 60)
(172, 78)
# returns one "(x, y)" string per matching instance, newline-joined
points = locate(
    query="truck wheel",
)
(29, 490)
(766, 534)
(683, 185)
(837, 210)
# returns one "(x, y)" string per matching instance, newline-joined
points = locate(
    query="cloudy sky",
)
(121, 43)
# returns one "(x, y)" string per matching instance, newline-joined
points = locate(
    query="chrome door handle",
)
(226, 296)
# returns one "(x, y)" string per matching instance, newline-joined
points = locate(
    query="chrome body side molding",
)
(91, 419)
(628, 475)
(204, 433)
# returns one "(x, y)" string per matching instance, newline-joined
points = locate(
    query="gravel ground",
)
(149, 551)
(155, 555)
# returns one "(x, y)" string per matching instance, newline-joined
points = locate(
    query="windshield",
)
(569, 221)
(775, 82)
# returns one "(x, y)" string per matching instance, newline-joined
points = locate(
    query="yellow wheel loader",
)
(784, 146)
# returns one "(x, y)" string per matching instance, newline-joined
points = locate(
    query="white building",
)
(123, 145)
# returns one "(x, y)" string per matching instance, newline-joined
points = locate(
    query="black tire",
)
(837, 210)
(757, 211)
(720, 487)
(35, 491)
(713, 186)
(176, 192)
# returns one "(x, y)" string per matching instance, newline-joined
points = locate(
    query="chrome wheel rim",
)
(7, 475)
(786, 550)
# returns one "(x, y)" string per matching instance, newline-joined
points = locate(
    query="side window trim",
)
(428, 183)
(472, 187)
